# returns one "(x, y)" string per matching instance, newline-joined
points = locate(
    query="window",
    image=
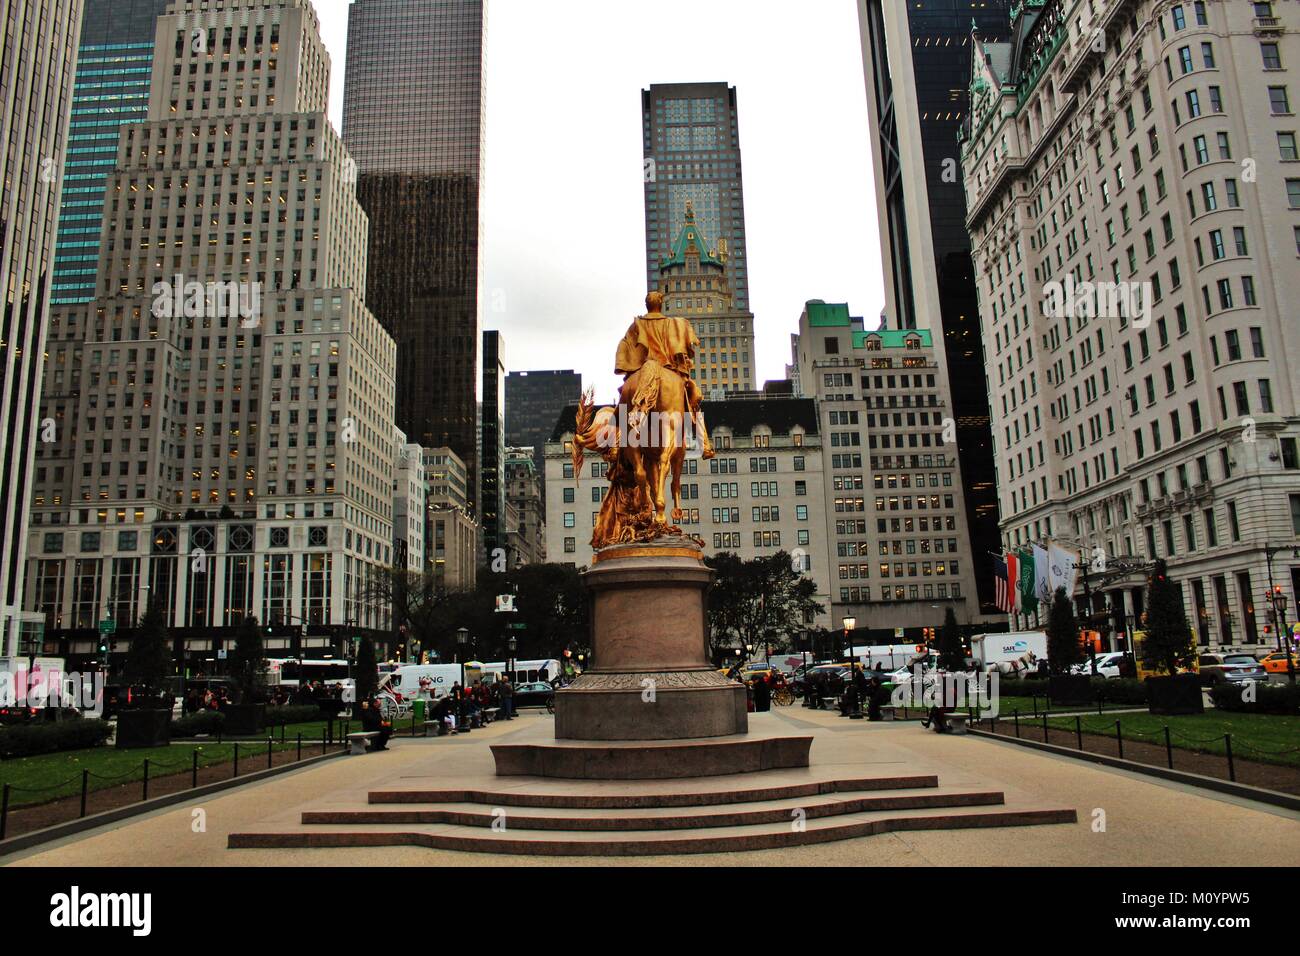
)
(1295, 514)
(1272, 58)
(569, 520)
(1278, 101)
(1286, 146)
(1293, 193)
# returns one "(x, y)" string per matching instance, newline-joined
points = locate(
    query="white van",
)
(428, 681)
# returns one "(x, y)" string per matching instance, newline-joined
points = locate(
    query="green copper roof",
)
(893, 338)
(822, 315)
(690, 236)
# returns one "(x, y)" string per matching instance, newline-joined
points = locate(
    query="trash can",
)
(418, 710)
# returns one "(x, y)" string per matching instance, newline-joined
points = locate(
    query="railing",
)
(1166, 737)
(148, 771)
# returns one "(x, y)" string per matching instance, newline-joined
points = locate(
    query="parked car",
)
(1222, 668)
(1108, 665)
(537, 694)
(1275, 663)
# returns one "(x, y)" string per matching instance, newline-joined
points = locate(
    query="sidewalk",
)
(1141, 815)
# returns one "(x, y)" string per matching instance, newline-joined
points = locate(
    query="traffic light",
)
(103, 646)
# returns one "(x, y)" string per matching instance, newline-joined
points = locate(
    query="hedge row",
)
(1269, 698)
(292, 714)
(1110, 690)
(27, 740)
(200, 722)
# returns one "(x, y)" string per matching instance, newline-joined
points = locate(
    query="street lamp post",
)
(851, 691)
(1279, 609)
(462, 642)
(512, 645)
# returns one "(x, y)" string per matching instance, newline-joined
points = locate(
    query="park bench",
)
(360, 742)
(887, 712)
(826, 703)
(490, 714)
(957, 723)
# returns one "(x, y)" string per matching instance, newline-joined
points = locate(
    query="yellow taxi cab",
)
(1275, 663)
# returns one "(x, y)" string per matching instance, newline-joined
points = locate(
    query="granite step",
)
(696, 793)
(754, 836)
(659, 818)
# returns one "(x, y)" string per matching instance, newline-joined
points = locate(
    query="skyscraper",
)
(413, 122)
(38, 48)
(916, 58)
(534, 401)
(111, 88)
(225, 443)
(492, 476)
(692, 154)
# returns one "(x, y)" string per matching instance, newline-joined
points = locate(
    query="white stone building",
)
(1133, 193)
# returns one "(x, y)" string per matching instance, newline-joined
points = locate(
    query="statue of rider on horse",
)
(645, 439)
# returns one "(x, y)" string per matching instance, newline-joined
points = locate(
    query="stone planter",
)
(1069, 689)
(1180, 694)
(244, 719)
(143, 728)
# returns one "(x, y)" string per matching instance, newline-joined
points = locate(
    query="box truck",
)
(1015, 653)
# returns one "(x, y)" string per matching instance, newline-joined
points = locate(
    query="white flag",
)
(1042, 581)
(1064, 565)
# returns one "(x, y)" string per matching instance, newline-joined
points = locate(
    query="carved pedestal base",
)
(652, 678)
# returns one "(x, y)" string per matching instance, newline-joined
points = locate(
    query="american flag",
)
(1003, 594)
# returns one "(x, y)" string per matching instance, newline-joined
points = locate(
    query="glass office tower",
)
(38, 49)
(110, 90)
(692, 154)
(918, 98)
(413, 122)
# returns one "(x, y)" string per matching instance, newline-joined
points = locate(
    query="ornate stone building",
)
(1134, 208)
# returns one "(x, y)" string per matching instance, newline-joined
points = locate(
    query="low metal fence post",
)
(1232, 770)
(1169, 747)
(146, 779)
(1045, 740)
(194, 768)
(85, 787)
(1078, 730)
(270, 744)
(1119, 739)
(236, 758)
(300, 745)
(1015, 714)
(4, 811)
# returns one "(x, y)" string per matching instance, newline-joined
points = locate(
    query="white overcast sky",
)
(563, 222)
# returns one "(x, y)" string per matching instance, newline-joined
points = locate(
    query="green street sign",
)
(108, 626)
(518, 627)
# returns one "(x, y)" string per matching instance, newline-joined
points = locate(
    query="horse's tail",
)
(582, 425)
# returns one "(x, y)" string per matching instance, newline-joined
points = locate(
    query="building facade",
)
(413, 123)
(224, 405)
(1134, 207)
(526, 502)
(693, 279)
(917, 98)
(410, 507)
(112, 88)
(691, 145)
(452, 534)
(38, 50)
(763, 493)
(895, 516)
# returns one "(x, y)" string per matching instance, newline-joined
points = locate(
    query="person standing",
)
(507, 699)
(762, 694)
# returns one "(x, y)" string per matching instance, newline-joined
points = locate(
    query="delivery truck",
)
(1014, 653)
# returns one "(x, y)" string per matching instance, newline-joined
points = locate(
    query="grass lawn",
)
(1269, 738)
(51, 776)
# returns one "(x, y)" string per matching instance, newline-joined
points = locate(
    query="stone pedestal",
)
(652, 678)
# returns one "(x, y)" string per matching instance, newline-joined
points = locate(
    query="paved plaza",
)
(1147, 821)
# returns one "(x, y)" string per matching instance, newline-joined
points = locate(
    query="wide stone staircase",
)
(754, 811)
